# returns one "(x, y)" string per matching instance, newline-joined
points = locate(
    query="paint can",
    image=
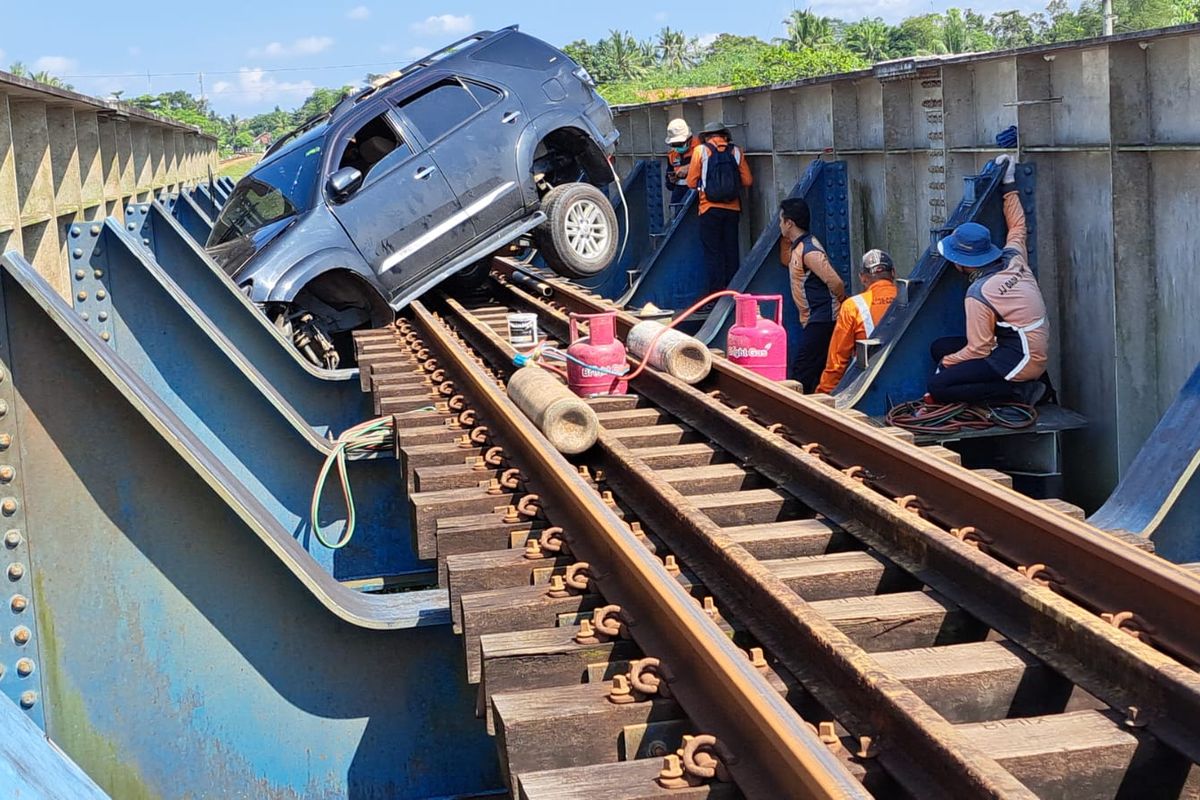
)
(522, 329)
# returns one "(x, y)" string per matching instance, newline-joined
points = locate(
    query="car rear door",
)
(471, 129)
(405, 218)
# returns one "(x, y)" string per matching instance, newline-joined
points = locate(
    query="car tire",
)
(579, 236)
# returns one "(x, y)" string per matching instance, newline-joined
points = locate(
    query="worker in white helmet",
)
(681, 144)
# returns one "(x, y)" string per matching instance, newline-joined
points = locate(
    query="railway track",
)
(741, 592)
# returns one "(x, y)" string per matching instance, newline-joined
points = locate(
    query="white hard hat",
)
(678, 132)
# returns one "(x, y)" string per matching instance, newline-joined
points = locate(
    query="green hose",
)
(374, 435)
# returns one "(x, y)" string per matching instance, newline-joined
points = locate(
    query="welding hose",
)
(374, 435)
(949, 418)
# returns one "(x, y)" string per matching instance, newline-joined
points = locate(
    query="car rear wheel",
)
(579, 236)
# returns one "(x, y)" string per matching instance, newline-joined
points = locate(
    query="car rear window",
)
(440, 108)
(518, 50)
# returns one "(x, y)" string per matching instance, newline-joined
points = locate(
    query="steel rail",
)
(775, 750)
(924, 752)
(1100, 572)
(1119, 669)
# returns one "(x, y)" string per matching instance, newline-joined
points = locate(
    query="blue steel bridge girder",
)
(328, 400)
(233, 410)
(194, 220)
(187, 645)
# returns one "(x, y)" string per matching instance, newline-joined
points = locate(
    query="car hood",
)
(231, 256)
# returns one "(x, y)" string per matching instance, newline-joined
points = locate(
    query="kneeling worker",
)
(859, 315)
(1004, 352)
(816, 287)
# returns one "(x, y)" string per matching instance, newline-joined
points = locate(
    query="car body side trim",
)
(446, 225)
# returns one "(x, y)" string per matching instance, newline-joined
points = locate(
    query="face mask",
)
(679, 148)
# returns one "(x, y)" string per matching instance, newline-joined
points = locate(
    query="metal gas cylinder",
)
(756, 343)
(601, 355)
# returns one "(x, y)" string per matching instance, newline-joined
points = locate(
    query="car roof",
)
(446, 55)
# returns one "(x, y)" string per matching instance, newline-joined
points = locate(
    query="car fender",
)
(288, 284)
(535, 131)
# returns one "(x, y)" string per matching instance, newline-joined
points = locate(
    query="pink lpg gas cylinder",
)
(758, 344)
(601, 355)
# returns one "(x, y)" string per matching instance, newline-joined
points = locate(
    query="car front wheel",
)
(579, 236)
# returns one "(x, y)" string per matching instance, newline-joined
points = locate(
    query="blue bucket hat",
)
(970, 246)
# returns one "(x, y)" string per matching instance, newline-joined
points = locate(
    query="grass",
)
(238, 166)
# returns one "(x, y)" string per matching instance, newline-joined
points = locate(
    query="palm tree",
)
(675, 50)
(648, 54)
(869, 38)
(624, 54)
(806, 30)
(954, 32)
(235, 126)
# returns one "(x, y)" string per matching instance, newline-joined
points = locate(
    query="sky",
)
(251, 56)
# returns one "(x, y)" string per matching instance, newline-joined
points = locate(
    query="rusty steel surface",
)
(772, 748)
(1101, 573)
(933, 758)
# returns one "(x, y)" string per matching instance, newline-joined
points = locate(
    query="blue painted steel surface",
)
(188, 645)
(31, 768)
(672, 276)
(328, 400)
(1159, 496)
(901, 367)
(20, 672)
(191, 217)
(233, 410)
(204, 198)
(823, 185)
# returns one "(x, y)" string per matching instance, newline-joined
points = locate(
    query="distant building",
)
(263, 139)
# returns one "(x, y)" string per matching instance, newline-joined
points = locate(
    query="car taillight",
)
(584, 76)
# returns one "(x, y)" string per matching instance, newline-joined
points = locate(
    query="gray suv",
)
(495, 139)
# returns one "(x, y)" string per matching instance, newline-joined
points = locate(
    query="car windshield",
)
(281, 188)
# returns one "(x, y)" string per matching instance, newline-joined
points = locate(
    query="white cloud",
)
(134, 51)
(661, 16)
(706, 39)
(358, 13)
(444, 23)
(304, 46)
(55, 65)
(253, 85)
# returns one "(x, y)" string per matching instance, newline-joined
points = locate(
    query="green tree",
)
(1011, 29)
(781, 64)
(1067, 24)
(624, 55)
(675, 50)
(807, 30)
(42, 76)
(870, 38)
(919, 36)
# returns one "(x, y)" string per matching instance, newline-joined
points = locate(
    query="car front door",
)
(471, 129)
(404, 217)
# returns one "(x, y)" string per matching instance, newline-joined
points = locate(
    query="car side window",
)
(486, 95)
(440, 108)
(371, 144)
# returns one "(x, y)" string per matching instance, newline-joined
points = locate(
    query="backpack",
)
(722, 178)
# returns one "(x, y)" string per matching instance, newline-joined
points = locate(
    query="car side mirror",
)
(344, 182)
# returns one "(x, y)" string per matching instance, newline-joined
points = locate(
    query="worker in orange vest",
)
(859, 315)
(719, 171)
(681, 144)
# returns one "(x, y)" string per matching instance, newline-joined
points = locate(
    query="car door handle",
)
(424, 172)
(510, 117)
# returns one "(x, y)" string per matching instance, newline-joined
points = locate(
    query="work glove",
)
(1007, 163)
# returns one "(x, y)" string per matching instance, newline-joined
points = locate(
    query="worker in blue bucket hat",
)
(1003, 356)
